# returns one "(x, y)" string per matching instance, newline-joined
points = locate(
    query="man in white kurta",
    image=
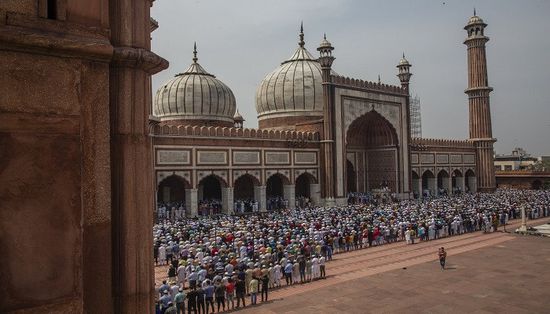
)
(315, 269)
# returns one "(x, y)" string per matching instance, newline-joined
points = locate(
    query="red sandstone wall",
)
(50, 171)
(55, 231)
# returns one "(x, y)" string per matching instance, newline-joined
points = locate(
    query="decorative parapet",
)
(238, 133)
(418, 143)
(522, 173)
(357, 83)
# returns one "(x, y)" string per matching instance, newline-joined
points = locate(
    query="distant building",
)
(416, 118)
(519, 159)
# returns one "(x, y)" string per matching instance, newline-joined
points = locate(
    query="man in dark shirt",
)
(302, 264)
(192, 301)
(201, 300)
(265, 286)
(240, 291)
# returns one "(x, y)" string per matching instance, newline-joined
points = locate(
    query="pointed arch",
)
(303, 183)
(243, 187)
(377, 138)
(443, 182)
(172, 189)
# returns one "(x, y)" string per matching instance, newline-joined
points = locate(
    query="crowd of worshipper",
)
(276, 202)
(356, 198)
(290, 245)
(302, 201)
(209, 207)
(243, 206)
(225, 282)
(375, 197)
(171, 211)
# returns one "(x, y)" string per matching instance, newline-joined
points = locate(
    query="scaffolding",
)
(416, 119)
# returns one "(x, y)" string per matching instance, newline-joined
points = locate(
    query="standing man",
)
(442, 256)
(265, 286)
(181, 274)
(253, 289)
(288, 273)
(322, 267)
(240, 291)
(192, 300)
(180, 301)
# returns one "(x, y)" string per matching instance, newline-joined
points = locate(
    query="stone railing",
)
(357, 83)
(227, 132)
(418, 143)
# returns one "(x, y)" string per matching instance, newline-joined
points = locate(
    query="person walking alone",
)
(442, 256)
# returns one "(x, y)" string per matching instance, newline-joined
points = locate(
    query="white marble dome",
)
(195, 95)
(293, 89)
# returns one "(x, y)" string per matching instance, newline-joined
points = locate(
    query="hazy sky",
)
(241, 41)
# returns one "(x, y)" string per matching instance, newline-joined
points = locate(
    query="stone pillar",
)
(315, 193)
(523, 227)
(131, 68)
(227, 200)
(432, 186)
(446, 183)
(417, 186)
(290, 194)
(192, 202)
(472, 183)
(260, 196)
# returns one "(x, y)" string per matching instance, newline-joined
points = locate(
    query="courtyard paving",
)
(487, 273)
(506, 274)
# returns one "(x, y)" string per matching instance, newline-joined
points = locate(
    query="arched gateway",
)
(372, 141)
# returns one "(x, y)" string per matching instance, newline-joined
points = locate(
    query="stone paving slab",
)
(507, 277)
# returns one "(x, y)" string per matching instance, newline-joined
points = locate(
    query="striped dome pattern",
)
(293, 89)
(194, 94)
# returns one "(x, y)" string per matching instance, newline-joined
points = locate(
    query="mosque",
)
(321, 135)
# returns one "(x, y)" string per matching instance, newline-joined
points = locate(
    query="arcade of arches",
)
(372, 154)
(213, 189)
(430, 184)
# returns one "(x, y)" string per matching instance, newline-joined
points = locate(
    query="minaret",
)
(238, 120)
(327, 144)
(478, 100)
(404, 74)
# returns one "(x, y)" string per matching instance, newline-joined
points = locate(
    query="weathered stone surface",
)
(31, 81)
(65, 103)
(40, 234)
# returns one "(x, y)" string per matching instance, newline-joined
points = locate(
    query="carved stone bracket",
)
(139, 58)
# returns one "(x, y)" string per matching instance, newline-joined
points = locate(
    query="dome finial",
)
(195, 59)
(403, 54)
(325, 36)
(302, 42)
(475, 11)
(379, 79)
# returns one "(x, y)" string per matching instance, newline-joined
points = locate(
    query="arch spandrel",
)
(355, 108)
(255, 175)
(311, 174)
(374, 124)
(284, 174)
(184, 176)
(219, 175)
